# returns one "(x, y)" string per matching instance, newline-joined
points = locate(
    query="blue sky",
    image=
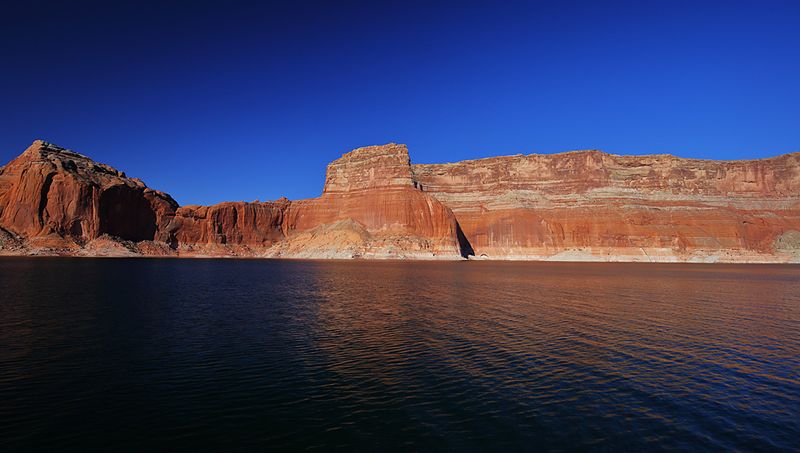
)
(241, 101)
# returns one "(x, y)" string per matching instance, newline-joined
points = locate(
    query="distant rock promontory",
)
(579, 206)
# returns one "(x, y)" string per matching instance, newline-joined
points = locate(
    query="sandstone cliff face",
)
(589, 205)
(370, 167)
(370, 198)
(583, 205)
(228, 228)
(369, 208)
(62, 198)
(56, 201)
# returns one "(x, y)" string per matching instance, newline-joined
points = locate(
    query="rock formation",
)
(581, 205)
(592, 205)
(56, 198)
(371, 192)
(56, 201)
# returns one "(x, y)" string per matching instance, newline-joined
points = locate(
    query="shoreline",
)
(511, 259)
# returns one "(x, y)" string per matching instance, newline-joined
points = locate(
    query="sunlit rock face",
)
(582, 205)
(589, 205)
(56, 201)
(50, 194)
(371, 207)
(230, 228)
(371, 167)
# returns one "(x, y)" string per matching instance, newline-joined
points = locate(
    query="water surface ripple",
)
(213, 354)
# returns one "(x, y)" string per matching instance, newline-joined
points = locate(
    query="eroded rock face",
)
(52, 192)
(396, 222)
(53, 200)
(371, 206)
(231, 228)
(592, 205)
(370, 167)
(583, 205)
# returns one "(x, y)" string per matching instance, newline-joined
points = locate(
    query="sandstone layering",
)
(581, 205)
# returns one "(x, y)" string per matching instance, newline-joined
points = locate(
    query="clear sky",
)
(242, 101)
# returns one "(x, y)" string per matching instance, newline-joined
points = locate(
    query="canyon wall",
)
(589, 205)
(56, 201)
(53, 198)
(582, 205)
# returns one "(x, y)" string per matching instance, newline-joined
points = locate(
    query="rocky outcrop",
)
(56, 197)
(582, 205)
(371, 167)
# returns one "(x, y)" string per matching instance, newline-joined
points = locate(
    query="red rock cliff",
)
(53, 200)
(50, 195)
(593, 205)
(371, 206)
(583, 205)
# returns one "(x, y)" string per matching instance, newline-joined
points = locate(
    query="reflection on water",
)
(298, 354)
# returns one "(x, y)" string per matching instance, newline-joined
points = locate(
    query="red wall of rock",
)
(602, 204)
(375, 203)
(234, 223)
(52, 192)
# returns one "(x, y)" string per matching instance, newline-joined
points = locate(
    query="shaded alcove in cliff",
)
(126, 214)
(463, 243)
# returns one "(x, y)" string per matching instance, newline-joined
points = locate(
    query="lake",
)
(139, 354)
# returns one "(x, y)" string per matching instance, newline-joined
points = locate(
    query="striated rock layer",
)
(589, 205)
(51, 197)
(56, 201)
(582, 205)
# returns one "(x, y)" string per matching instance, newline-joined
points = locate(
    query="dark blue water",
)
(228, 354)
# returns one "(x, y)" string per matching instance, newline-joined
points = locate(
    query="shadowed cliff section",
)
(582, 205)
(126, 214)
